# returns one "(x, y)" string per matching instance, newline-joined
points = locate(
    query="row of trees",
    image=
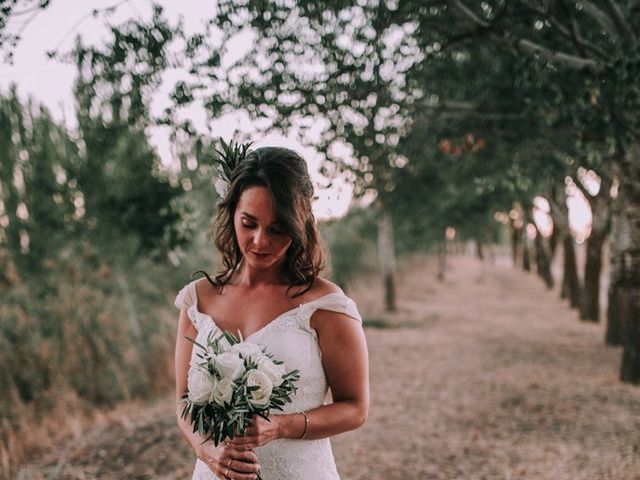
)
(452, 110)
(446, 111)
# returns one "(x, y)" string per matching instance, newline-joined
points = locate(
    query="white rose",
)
(273, 371)
(247, 349)
(230, 365)
(200, 384)
(221, 187)
(260, 397)
(223, 392)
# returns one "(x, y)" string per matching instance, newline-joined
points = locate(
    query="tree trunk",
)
(515, 241)
(542, 260)
(479, 250)
(526, 255)
(442, 261)
(553, 244)
(387, 256)
(590, 304)
(600, 214)
(560, 216)
(625, 277)
(570, 282)
(616, 307)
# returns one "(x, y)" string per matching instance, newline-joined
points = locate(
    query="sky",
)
(50, 82)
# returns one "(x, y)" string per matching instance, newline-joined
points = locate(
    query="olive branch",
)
(229, 157)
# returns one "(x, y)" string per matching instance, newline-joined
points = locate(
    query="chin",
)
(258, 262)
(268, 261)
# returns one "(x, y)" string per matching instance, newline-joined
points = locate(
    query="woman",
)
(270, 291)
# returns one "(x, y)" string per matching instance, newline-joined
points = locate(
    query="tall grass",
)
(83, 335)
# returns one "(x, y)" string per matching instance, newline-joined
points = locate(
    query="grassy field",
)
(486, 375)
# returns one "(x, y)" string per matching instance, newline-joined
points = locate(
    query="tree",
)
(124, 193)
(599, 41)
(36, 202)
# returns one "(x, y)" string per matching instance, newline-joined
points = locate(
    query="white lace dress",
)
(291, 339)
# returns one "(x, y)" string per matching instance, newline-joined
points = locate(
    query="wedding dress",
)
(290, 338)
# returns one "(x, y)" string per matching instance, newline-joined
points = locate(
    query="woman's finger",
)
(234, 475)
(243, 441)
(243, 455)
(241, 466)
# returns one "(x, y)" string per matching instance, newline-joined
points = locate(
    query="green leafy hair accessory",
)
(229, 157)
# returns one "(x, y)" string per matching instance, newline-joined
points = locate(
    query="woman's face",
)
(262, 240)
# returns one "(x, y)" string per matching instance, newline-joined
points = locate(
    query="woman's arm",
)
(346, 364)
(182, 358)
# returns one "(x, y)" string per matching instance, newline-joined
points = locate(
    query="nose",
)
(260, 239)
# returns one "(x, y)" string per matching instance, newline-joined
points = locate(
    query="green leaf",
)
(230, 337)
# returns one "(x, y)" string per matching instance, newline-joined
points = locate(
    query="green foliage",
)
(126, 193)
(36, 200)
(549, 87)
(92, 234)
(351, 243)
(230, 155)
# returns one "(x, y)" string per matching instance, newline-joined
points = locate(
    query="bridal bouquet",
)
(232, 381)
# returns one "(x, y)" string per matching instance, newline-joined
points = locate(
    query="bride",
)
(270, 291)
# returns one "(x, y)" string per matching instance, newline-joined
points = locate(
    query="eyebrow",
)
(248, 215)
(251, 217)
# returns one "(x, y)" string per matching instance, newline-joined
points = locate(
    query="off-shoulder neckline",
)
(277, 318)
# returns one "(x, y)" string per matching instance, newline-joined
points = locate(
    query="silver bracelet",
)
(306, 425)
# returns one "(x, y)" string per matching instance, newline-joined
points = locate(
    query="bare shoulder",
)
(205, 292)
(201, 287)
(322, 287)
(329, 322)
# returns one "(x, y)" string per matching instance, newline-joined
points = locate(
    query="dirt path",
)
(484, 376)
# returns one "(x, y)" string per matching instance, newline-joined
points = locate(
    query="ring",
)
(226, 473)
(229, 463)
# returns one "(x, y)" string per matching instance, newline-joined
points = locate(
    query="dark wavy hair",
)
(284, 173)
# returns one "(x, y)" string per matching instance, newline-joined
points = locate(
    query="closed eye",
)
(272, 230)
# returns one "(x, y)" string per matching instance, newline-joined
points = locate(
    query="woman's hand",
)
(259, 433)
(228, 462)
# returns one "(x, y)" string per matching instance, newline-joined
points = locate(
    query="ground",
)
(487, 375)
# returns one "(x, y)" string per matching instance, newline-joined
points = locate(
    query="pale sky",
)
(50, 82)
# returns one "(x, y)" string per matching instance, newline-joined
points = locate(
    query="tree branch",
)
(523, 44)
(572, 33)
(558, 214)
(617, 15)
(454, 40)
(600, 17)
(570, 61)
(577, 38)
(30, 10)
(466, 13)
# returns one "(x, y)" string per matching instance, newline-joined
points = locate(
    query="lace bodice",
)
(291, 339)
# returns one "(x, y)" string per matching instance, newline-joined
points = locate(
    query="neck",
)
(251, 277)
